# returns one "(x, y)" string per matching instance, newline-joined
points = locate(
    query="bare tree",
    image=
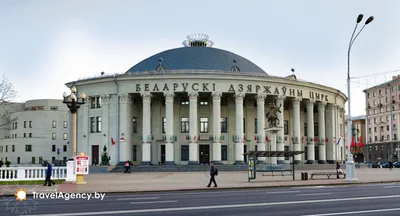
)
(7, 92)
(7, 95)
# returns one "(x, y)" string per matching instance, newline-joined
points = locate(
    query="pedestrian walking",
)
(213, 173)
(48, 176)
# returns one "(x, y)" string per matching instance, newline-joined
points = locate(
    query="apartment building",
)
(34, 131)
(382, 120)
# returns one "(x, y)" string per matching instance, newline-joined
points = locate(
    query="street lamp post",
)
(73, 104)
(350, 166)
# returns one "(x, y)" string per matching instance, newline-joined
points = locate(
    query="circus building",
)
(195, 104)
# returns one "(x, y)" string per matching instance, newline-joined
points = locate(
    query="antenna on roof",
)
(197, 40)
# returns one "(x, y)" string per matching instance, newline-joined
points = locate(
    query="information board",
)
(252, 168)
(82, 165)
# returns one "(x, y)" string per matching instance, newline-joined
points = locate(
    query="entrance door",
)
(95, 155)
(245, 150)
(162, 154)
(204, 154)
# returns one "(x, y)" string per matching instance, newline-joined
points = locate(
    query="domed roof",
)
(196, 57)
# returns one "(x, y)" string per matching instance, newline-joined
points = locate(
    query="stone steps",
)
(202, 168)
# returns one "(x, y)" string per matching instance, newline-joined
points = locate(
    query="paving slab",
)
(175, 181)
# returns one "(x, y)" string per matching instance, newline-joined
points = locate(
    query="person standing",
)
(48, 175)
(213, 173)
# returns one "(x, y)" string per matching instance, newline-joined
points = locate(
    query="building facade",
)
(382, 111)
(31, 132)
(358, 128)
(197, 104)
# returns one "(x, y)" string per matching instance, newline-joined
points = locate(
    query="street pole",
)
(74, 134)
(350, 165)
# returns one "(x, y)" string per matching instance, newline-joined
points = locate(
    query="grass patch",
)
(30, 182)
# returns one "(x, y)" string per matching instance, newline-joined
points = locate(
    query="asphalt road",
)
(366, 200)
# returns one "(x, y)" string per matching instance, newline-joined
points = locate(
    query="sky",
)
(45, 43)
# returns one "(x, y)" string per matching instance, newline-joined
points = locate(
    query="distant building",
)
(358, 129)
(32, 132)
(382, 108)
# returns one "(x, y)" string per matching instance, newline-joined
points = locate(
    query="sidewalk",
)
(170, 181)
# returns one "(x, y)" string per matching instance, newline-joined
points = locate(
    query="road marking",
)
(314, 194)
(208, 207)
(150, 202)
(283, 192)
(139, 198)
(356, 212)
(397, 186)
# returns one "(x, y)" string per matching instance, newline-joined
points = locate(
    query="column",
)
(193, 146)
(310, 132)
(260, 125)
(321, 133)
(146, 142)
(169, 128)
(280, 145)
(330, 125)
(125, 150)
(239, 147)
(105, 139)
(296, 129)
(216, 96)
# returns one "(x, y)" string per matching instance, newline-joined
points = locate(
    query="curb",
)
(226, 188)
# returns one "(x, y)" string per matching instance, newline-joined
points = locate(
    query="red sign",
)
(82, 165)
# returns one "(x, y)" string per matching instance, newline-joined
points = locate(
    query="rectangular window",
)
(93, 102)
(65, 136)
(18, 160)
(24, 135)
(286, 127)
(286, 148)
(255, 126)
(203, 125)
(164, 124)
(53, 136)
(134, 125)
(30, 124)
(305, 129)
(134, 151)
(6, 148)
(224, 152)
(92, 124)
(65, 149)
(33, 160)
(53, 160)
(65, 124)
(98, 128)
(53, 148)
(13, 146)
(16, 125)
(184, 152)
(98, 102)
(244, 125)
(24, 124)
(184, 125)
(224, 125)
(30, 135)
(54, 124)
(316, 129)
(28, 148)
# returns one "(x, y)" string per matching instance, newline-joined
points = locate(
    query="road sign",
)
(82, 165)
(58, 151)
